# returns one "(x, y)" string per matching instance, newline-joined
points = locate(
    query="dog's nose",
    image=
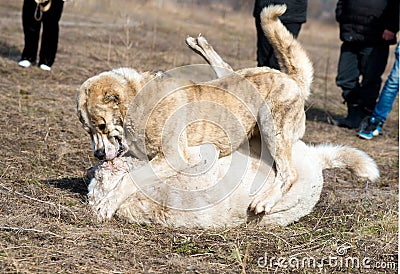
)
(100, 154)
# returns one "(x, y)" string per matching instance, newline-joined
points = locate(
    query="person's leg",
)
(389, 91)
(265, 52)
(31, 31)
(348, 72)
(293, 28)
(385, 103)
(348, 80)
(372, 65)
(49, 44)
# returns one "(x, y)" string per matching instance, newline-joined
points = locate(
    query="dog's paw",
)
(192, 42)
(202, 42)
(264, 202)
(106, 208)
(196, 44)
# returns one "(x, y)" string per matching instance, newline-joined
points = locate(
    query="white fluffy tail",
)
(357, 161)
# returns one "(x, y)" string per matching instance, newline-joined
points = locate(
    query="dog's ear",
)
(81, 102)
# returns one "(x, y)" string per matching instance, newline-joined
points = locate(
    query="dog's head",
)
(102, 103)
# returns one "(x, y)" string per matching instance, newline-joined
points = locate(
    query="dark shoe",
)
(355, 114)
(344, 122)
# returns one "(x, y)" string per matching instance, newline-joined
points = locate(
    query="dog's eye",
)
(102, 127)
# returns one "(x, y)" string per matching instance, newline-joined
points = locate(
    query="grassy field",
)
(46, 225)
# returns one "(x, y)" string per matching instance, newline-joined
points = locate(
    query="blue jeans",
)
(389, 91)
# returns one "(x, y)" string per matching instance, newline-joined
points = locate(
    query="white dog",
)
(180, 200)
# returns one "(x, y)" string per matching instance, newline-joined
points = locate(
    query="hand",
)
(387, 35)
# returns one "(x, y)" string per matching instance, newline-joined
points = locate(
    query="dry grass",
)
(46, 225)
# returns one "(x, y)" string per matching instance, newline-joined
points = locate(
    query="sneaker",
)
(24, 63)
(373, 128)
(45, 67)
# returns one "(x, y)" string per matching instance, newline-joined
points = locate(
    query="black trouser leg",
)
(31, 31)
(265, 52)
(367, 62)
(361, 61)
(373, 65)
(348, 72)
(49, 44)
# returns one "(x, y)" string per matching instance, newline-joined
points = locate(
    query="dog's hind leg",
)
(201, 46)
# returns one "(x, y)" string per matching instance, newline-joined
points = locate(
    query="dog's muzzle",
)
(101, 153)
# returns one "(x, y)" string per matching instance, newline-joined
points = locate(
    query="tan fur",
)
(103, 101)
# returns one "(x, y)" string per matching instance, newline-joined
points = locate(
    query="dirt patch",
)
(46, 225)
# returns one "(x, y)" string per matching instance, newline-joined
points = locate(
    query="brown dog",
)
(103, 102)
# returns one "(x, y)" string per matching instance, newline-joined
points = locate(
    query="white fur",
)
(128, 73)
(113, 180)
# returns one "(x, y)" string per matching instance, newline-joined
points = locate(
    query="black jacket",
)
(365, 20)
(296, 9)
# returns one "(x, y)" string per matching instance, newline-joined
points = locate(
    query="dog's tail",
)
(292, 58)
(357, 161)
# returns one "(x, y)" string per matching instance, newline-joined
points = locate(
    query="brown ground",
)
(46, 225)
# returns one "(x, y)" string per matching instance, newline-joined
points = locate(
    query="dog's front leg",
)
(277, 136)
(285, 177)
(201, 46)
